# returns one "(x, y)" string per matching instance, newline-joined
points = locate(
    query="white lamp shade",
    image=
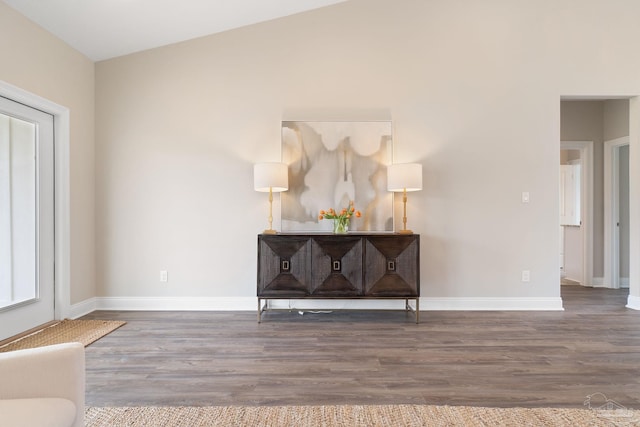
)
(404, 176)
(274, 176)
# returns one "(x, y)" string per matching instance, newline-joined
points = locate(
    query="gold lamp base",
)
(404, 214)
(270, 230)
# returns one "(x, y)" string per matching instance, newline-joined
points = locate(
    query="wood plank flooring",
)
(527, 359)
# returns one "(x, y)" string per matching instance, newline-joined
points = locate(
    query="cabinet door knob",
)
(285, 265)
(336, 265)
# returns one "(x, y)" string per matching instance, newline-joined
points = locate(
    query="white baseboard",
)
(177, 303)
(82, 308)
(492, 304)
(598, 282)
(251, 303)
(633, 302)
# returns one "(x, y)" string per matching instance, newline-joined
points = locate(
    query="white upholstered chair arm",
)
(52, 371)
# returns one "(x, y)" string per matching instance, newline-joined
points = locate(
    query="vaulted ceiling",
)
(103, 29)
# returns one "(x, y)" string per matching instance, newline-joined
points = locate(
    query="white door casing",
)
(62, 226)
(611, 214)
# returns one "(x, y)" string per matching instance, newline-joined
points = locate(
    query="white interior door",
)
(571, 200)
(26, 218)
(570, 191)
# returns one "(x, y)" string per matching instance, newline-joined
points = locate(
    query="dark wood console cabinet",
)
(325, 266)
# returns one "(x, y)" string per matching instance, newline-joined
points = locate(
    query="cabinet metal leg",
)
(417, 309)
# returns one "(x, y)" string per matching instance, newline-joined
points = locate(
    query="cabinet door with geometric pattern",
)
(336, 266)
(392, 266)
(284, 267)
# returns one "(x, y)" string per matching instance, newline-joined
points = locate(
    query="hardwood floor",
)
(527, 359)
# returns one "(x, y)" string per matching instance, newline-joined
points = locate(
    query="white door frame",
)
(611, 207)
(586, 204)
(62, 236)
(633, 301)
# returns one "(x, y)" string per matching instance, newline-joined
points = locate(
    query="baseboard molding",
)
(492, 304)
(598, 282)
(82, 308)
(177, 303)
(633, 302)
(251, 303)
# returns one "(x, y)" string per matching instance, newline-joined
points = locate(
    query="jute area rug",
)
(384, 415)
(82, 331)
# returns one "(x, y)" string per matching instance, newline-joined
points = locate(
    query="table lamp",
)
(403, 177)
(270, 177)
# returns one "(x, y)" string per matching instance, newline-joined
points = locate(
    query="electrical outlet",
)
(526, 275)
(164, 276)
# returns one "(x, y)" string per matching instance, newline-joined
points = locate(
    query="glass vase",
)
(340, 225)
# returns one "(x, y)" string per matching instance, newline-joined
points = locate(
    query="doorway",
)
(27, 251)
(576, 207)
(603, 119)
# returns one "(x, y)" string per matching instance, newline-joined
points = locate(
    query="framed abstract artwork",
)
(331, 164)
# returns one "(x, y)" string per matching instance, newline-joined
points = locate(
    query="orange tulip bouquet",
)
(341, 219)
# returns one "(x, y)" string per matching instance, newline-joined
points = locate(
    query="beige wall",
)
(473, 90)
(616, 119)
(566, 156)
(35, 61)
